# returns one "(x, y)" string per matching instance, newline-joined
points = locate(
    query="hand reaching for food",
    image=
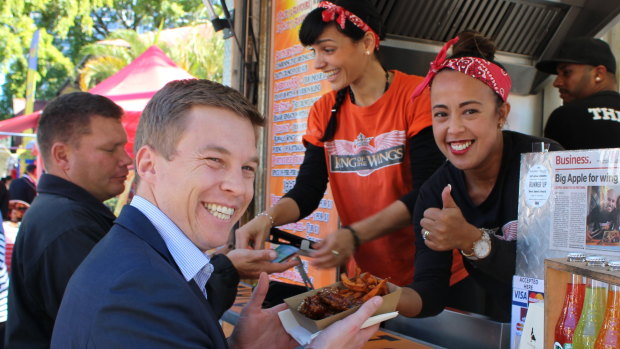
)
(254, 233)
(334, 250)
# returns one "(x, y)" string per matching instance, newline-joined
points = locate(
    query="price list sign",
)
(295, 85)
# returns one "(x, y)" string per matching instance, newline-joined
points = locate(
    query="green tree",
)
(18, 21)
(144, 15)
(203, 59)
(199, 55)
(67, 26)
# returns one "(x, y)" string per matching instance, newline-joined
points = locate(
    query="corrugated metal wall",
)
(516, 27)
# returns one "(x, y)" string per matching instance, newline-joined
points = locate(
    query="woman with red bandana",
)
(470, 204)
(369, 140)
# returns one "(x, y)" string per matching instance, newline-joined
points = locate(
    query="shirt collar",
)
(54, 185)
(193, 263)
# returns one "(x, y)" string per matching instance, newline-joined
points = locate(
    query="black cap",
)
(580, 50)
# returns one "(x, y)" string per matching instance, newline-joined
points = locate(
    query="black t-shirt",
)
(498, 213)
(588, 123)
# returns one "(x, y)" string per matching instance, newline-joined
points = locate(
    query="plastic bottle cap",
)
(576, 257)
(613, 265)
(595, 261)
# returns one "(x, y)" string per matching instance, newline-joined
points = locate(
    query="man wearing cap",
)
(590, 116)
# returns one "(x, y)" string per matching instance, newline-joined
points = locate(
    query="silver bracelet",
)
(264, 213)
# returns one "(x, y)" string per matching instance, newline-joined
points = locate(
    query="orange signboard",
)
(294, 86)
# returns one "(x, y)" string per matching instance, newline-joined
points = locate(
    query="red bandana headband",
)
(478, 68)
(338, 14)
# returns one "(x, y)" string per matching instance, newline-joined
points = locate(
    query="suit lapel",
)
(201, 296)
(136, 223)
(209, 313)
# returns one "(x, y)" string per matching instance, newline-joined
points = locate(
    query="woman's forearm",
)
(393, 217)
(410, 303)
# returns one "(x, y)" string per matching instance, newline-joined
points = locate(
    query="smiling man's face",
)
(208, 182)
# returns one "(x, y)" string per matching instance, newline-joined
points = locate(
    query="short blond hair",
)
(163, 120)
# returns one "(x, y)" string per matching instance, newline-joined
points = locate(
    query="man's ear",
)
(60, 154)
(145, 163)
(600, 73)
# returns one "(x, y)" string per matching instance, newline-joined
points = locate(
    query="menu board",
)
(294, 86)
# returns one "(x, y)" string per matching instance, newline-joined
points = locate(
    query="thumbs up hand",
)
(446, 198)
(445, 228)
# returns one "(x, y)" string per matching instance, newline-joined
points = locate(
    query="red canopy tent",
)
(131, 88)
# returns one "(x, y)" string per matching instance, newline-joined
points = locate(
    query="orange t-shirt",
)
(369, 168)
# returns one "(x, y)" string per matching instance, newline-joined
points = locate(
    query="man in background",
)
(590, 116)
(4, 286)
(82, 144)
(24, 188)
(4, 197)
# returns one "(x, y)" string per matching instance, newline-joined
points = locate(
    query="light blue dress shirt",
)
(194, 264)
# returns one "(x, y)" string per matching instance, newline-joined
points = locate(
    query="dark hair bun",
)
(312, 26)
(365, 10)
(473, 43)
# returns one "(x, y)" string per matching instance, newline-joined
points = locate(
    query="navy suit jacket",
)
(129, 293)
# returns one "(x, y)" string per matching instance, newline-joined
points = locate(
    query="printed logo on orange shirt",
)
(362, 157)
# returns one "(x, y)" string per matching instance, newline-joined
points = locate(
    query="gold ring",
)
(335, 252)
(425, 234)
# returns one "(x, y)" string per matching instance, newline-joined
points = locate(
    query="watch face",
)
(482, 249)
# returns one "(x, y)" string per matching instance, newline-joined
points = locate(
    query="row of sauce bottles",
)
(590, 317)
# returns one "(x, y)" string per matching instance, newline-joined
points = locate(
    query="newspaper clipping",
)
(586, 201)
(568, 202)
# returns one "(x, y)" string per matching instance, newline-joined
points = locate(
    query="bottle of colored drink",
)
(571, 311)
(609, 335)
(591, 315)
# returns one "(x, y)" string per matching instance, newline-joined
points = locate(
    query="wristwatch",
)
(482, 247)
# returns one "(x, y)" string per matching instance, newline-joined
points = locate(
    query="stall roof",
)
(525, 31)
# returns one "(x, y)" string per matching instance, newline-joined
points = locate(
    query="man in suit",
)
(82, 144)
(25, 187)
(143, 285)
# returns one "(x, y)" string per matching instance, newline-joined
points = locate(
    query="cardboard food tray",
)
(390, 301)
